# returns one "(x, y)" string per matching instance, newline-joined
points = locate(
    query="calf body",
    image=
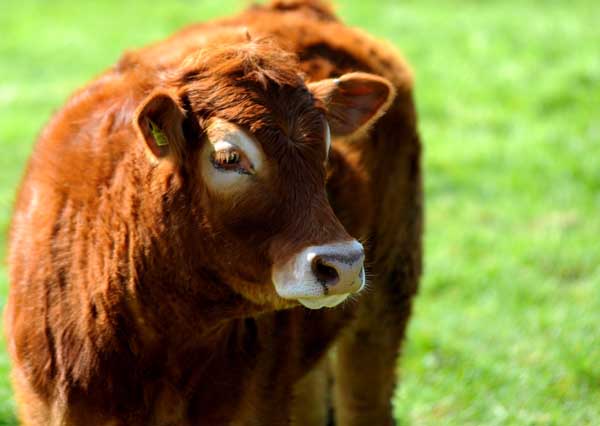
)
(178, 209)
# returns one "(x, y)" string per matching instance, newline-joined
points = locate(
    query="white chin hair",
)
(322, 302)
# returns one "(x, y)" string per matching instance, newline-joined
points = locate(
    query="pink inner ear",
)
(355, 101)
(359, 89)
(374, 90)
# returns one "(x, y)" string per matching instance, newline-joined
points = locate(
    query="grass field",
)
(506, 329)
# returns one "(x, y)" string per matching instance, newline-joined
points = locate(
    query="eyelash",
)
(230, 159)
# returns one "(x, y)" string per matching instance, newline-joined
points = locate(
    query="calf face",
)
(251, 139)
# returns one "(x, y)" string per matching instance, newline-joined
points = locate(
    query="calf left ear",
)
(159, 122)
(354, 101)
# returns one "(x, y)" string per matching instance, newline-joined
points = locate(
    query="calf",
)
(184, 218)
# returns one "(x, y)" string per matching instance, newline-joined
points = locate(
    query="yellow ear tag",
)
(157, 134)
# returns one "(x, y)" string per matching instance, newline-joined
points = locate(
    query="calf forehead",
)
(290, 110)
(285, 120)
(292, 123)
(255, 84)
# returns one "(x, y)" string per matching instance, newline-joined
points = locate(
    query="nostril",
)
(325, 274)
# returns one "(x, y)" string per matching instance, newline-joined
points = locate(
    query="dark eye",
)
(228, 157)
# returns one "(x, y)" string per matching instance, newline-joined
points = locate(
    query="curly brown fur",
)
(122, 310)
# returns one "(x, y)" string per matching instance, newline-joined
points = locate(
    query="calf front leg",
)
(311, 406)
(365, 371)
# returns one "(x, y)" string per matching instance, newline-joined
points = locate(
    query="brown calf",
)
(179, 209)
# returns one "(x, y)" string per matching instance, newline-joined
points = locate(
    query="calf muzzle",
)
(322, 276)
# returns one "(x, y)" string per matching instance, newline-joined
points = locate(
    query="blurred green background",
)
(506, 330)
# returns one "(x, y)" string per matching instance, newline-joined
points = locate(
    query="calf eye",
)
(228, 157)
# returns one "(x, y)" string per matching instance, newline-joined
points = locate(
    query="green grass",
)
(506, 328)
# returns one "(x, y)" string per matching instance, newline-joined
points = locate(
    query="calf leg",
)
(311, 397)
(365, 371)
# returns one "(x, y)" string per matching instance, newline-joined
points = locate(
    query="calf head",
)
(250, 140)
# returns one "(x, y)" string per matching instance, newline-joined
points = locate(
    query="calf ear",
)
(159, 122)
(354, 101)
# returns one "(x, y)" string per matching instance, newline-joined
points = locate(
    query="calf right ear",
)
(354, 101)
(159, 122)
